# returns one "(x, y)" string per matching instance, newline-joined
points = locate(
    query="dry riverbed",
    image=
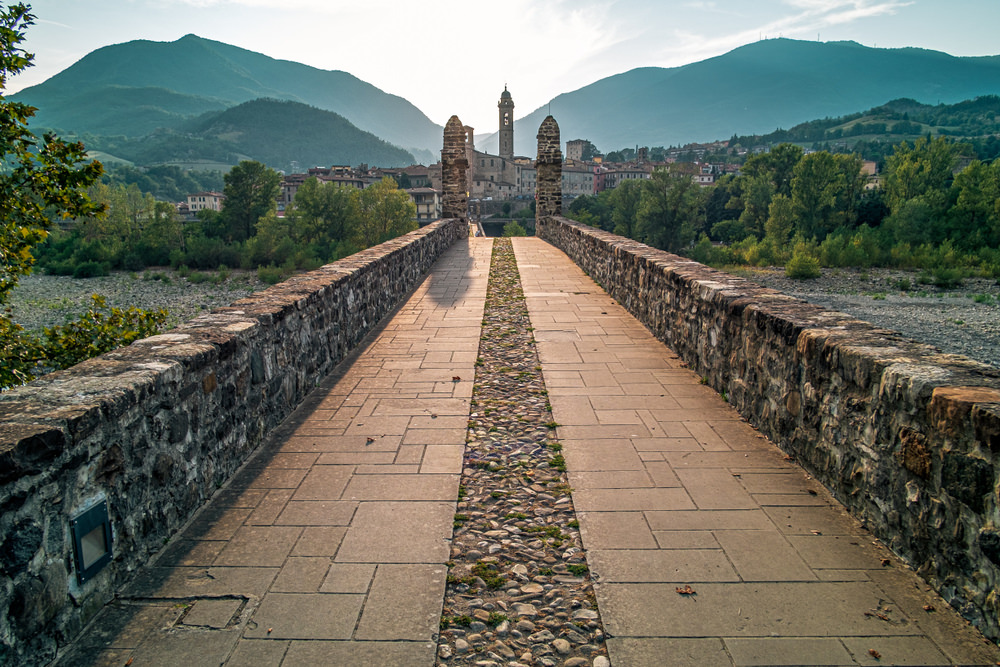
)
(44, 301)
(964, 320)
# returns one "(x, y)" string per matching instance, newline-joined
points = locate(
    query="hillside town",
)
(500, 177)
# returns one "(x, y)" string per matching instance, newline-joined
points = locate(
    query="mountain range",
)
(167, 101)
(754, 89)
(137, 87)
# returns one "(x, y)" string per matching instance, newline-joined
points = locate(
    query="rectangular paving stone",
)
(257, 652)
(615, 530)
(348, 578)
(317, 513)
(360, 654)
(614, 479)
(835, 552)
(319, 541)
(763, 556)
(259, 546)
(613, 500)
(805, 520)
(434, 436)
(305, 616)
(791, 500)
(233, 497)
(399, 532)
(709, 520)
(603, 431)
(895, 651)
(393, 469)
(680, 566)
(302, 575)
(741, 460)
(442, 459)
(792, 482)
(714, 489)
(665, 444)
(657, 652)
(342, 443)
(217, 523)
(270, 508)
(404, 603)
(402, 487)
(272, 478)
(324, 482)
(686, 539)
(359, 458)
(195, 553)
(813, 609)
(662, 473)
(787, 651)
(706, 436)
(193, 647)
(185, 582)
(215, 614)
(600, 455)
(378, 425)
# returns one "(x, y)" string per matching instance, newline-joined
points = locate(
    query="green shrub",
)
(99, 330)
(947, 278)
(902, 284)
(271, 274)
(513, 228)
(802, 266)
(91, 269)
(197, 277)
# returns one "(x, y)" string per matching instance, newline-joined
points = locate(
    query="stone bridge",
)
(571, 450)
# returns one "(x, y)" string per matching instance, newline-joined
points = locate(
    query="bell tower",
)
(506, 106)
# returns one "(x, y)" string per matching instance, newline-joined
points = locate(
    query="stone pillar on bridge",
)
(548, 184)
(454, 165)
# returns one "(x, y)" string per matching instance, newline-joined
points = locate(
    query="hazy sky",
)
(454, 56)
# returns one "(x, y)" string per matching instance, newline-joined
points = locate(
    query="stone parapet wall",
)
(906, 437)
(157, 427)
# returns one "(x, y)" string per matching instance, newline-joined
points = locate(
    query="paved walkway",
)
(329, 547)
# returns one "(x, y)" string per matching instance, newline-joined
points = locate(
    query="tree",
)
(385, 213)
(670, 211)
(324, 216)
(251, 192)
(974, 220)
(777, 166)
(815, 187)
(624, 202)
(923, 170)
(38, 180)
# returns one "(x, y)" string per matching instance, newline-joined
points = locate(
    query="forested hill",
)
(756, 89)
(898, 120)
(139, 86)
(275, 132)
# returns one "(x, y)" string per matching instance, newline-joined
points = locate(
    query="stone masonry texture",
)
(155, 428)
(454, 165)
(548, 186)
(906, 437)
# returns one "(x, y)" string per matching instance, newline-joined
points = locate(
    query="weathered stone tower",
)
(506, 106)
(548, 186)
(454, 165)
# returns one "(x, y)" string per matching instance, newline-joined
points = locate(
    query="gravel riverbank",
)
(43, 301)
(964, 320)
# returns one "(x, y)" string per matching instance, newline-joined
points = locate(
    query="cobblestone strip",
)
(519, 590)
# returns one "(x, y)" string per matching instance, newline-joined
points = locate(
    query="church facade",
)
(501, 176)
